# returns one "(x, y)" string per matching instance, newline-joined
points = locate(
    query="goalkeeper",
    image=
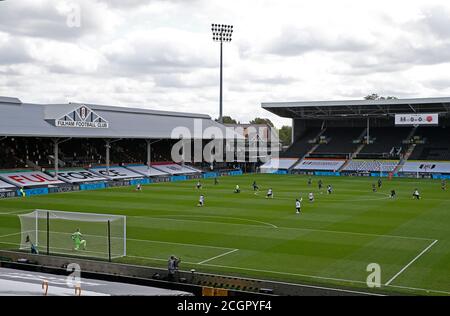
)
(78, 240)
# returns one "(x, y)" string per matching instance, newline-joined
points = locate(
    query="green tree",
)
(227, 120)
(284, 133)
(375, 96)
(259, 120)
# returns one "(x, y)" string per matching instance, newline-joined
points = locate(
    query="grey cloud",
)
(156, 57)
(274, 80)
(14, 51)
(437, 20)
(180, 81)
(438, 84)
(394, 56)
(131, 4)
(42, 19)
(293, 42)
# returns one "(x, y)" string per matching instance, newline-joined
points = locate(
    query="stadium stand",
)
(20, 152)
(277, 164)
(146, 170)
(385, 142)
(337, 142)
(302, 145)
(116, 172)
(371, 165)
(426, 167)
(82, 152)
(8, 158)
(173, 168)
(432, 144)
(320, 164)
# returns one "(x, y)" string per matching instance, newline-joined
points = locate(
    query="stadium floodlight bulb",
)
(222, 32)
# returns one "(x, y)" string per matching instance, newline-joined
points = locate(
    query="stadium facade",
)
(396, 137)
(65, 147)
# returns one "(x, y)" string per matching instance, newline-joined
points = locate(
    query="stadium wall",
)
(14, 192)
(185, 280)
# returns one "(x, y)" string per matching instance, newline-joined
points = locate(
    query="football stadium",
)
(356, 205)
(301, 149)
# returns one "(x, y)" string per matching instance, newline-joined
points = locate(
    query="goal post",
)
(71, 233)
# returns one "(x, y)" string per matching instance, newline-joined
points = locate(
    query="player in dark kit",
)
(320, 184)
(309, 181)
(444, 185)
(255, 187)
(374, 188)
(379, 183)
(393, 194)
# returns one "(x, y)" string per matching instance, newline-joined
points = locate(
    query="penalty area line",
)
(13, 234)
(410, 263)
(221, 255)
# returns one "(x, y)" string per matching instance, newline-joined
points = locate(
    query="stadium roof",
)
(358, 108)
(81, 120)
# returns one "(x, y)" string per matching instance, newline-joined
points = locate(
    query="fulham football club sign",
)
(82, 117)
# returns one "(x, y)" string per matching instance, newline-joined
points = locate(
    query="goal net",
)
(71, 233)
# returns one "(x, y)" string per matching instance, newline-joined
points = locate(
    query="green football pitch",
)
(331, 243)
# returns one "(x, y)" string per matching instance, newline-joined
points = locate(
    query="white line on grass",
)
(223, 217)
(291, 228)
(13, 212)
(13, 234)
(411, 262)
(144, 240)
(278, 282)
(221, 255)
(283, 273)
(176, 243)
(256, 270)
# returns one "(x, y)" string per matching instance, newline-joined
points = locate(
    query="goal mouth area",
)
(78, 216)
(98, 236)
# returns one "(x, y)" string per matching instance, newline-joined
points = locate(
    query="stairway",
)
(405, 158)
(305, 156)
(358, 150)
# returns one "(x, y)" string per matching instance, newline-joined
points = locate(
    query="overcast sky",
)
(160, 54)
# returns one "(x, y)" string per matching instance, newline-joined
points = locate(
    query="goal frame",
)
(39, 215)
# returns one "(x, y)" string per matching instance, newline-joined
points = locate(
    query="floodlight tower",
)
(221, 33)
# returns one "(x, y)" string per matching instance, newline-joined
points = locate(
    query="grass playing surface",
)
(330, 243)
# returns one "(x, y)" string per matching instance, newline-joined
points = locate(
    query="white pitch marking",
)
(224, 254)
(176, 243)
(13, 212)
(410, 263)
(290, 228)
(13, 234)
(224, 217)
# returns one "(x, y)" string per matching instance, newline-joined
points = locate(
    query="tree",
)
(259, 120)
(284, 134)
(227, 120)
(375, 96)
